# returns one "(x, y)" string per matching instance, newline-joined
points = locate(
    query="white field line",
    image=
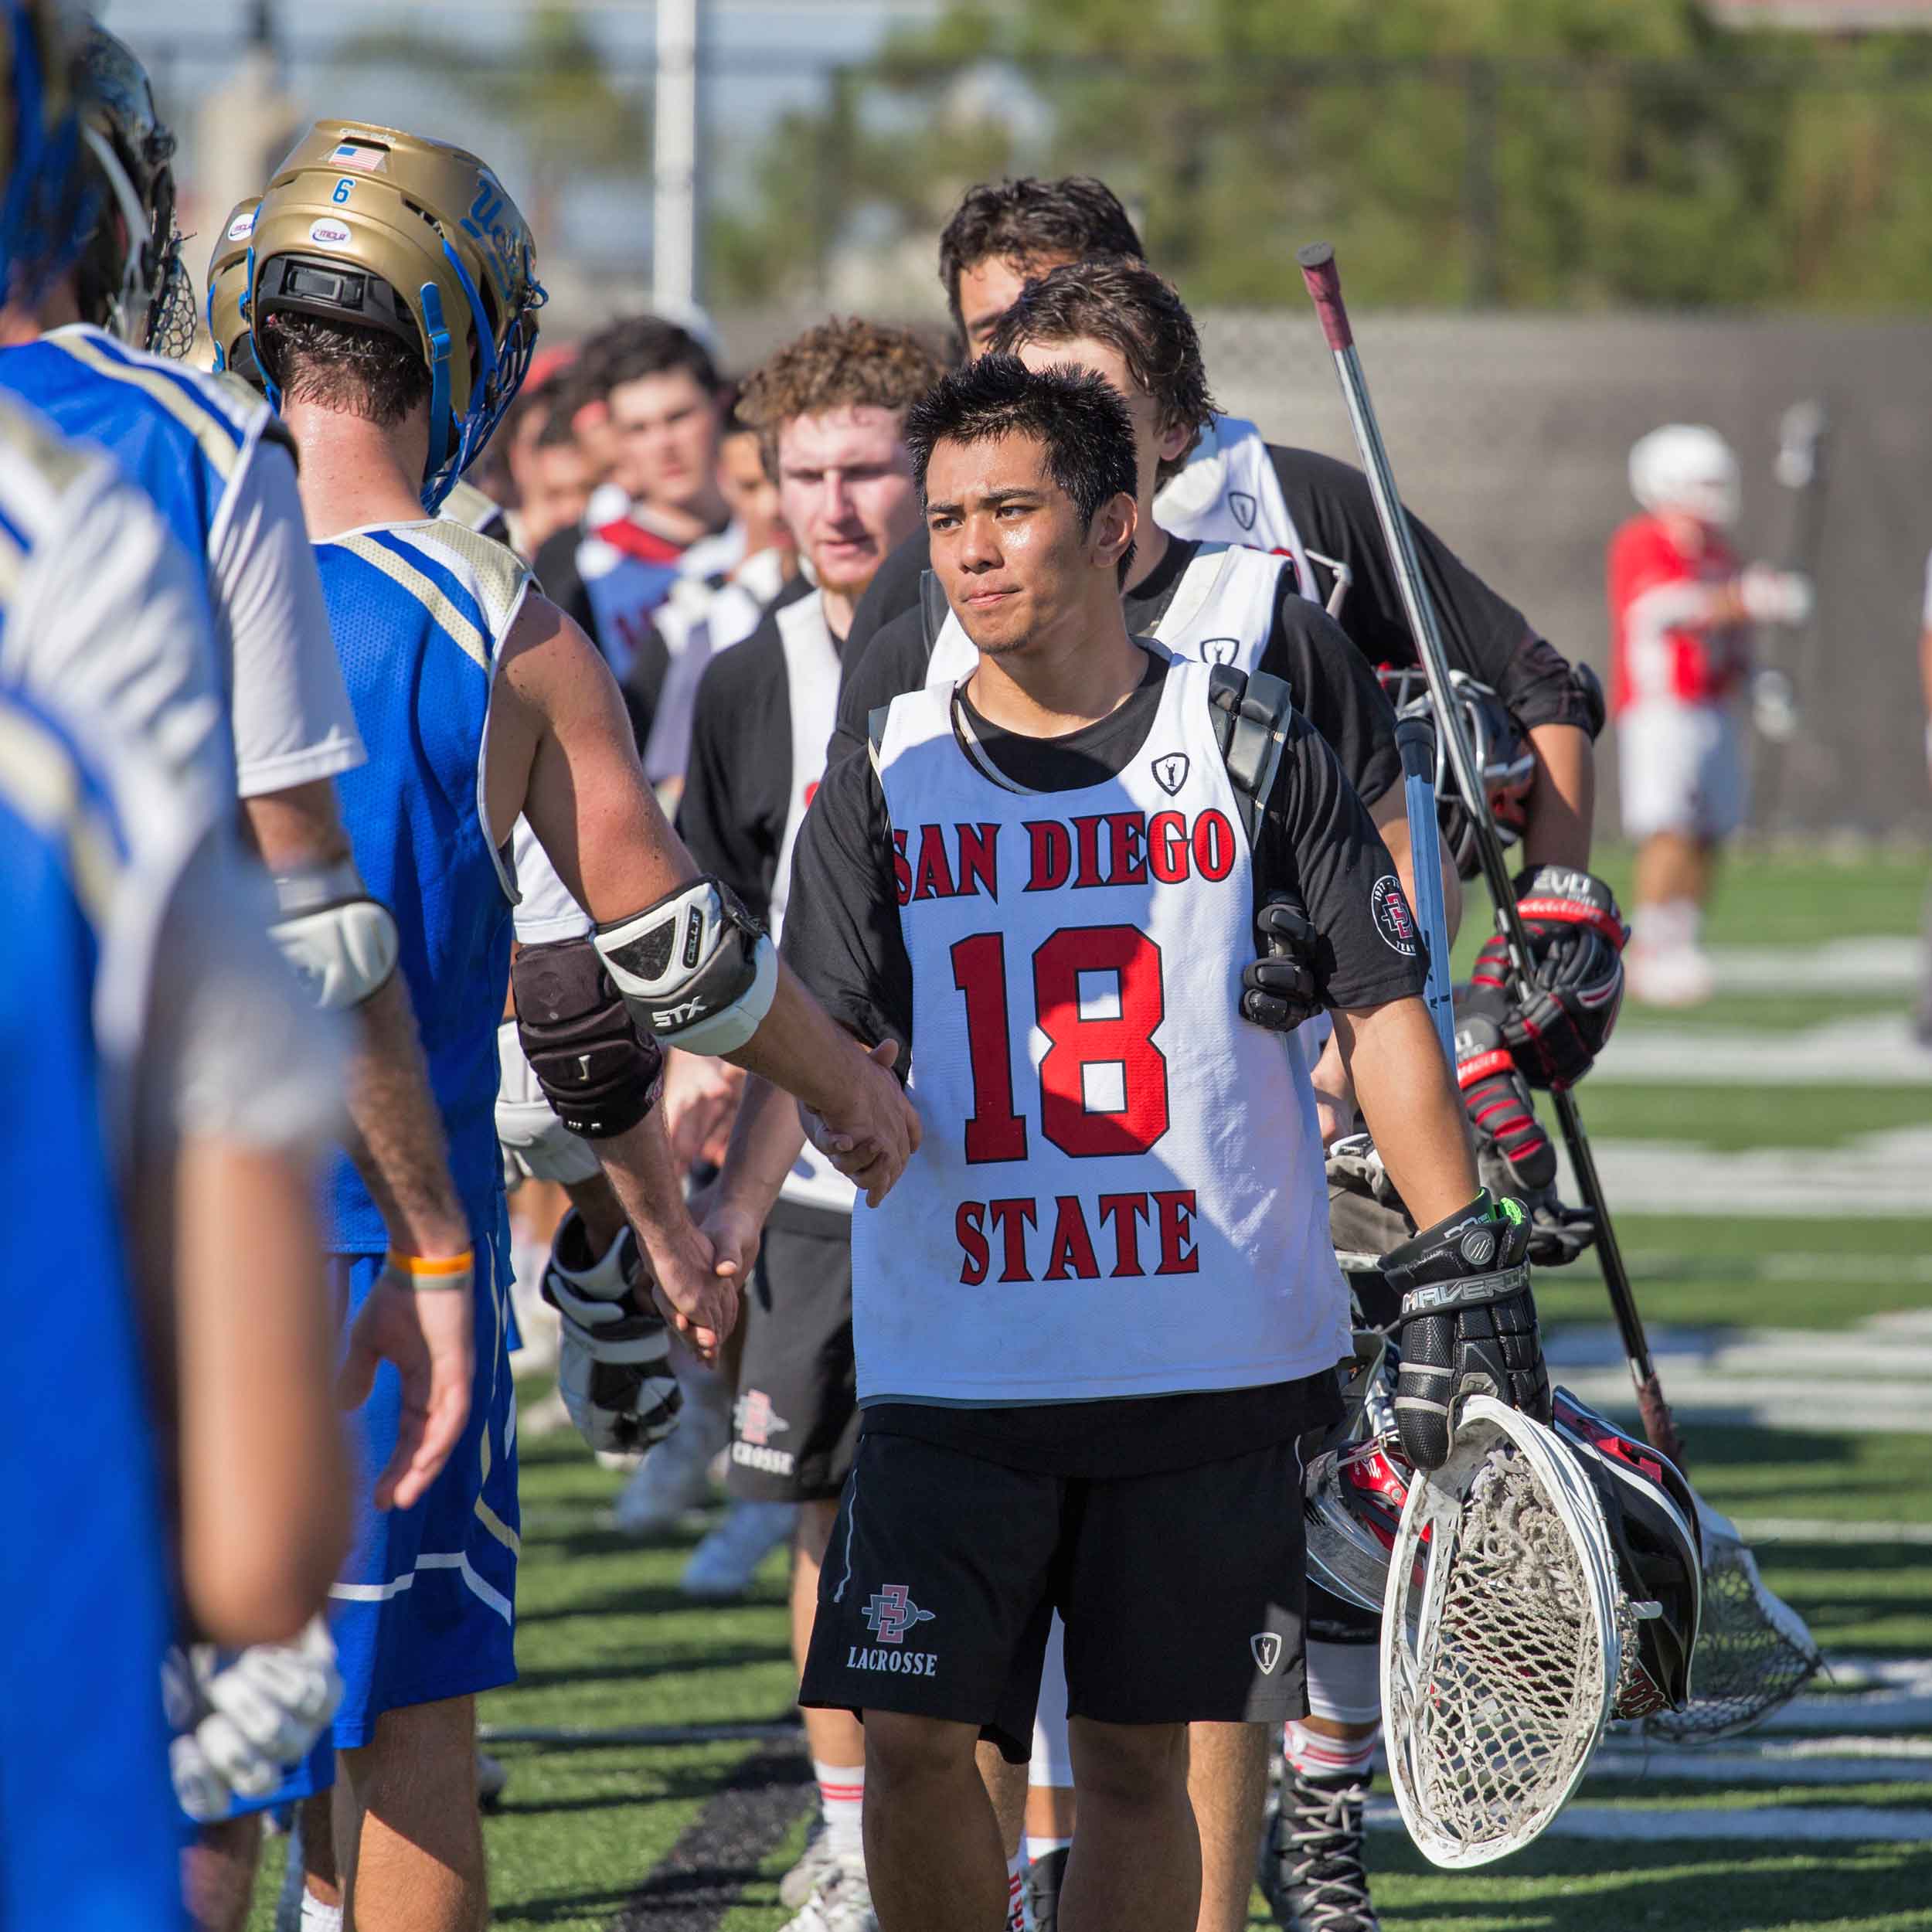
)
(1871, 1050)
(1881, 1762)
(1887, 1173)
(1845, 968)
(1848, 1824)
(1770, 1530)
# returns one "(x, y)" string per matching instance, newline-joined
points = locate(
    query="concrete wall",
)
(1510, 434)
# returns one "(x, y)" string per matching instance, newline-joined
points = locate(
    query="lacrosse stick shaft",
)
(1324, 280)
(1417, 743)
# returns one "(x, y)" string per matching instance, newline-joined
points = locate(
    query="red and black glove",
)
(1557, 1025)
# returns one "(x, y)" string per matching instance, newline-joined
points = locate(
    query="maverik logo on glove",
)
(1467, 1325)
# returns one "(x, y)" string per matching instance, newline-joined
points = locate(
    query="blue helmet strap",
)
(271, 388)
(443, 465)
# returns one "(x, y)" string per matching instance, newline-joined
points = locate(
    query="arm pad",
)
(343, 943)
(581, 1041)
(695, 968)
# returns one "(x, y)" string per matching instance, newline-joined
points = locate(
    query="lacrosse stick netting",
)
(1752, 1652)
(1500, 1645)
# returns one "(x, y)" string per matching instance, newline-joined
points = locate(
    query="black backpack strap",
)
(933, 610)
(1252, 714)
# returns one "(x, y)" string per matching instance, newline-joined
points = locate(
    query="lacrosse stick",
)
(1500, 1642)
(1753, 1652)
(1324, 281)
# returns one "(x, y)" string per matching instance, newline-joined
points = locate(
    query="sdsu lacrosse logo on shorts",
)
(757, 1422)
(889, 1615)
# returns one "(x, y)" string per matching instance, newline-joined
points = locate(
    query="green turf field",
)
(596, 1830)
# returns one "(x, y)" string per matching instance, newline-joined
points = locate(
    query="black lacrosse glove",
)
(1467, 1325)
(614, 1362)
(1278, 989)
(1557, 1025)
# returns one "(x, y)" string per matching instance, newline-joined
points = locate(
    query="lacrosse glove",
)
(1467, 1325)
(1557, 1024)
(1514, 1155)
(613, 1364)
(243, 1722)
(1279, 990)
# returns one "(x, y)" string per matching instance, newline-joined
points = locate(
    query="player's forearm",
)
(395, 1138)
(264, 1478)
(1391, 814)
(767, 1138)
(798, 1047)
(1563, 799)
(1408, 1098)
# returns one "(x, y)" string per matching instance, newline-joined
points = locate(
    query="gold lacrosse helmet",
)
(45, 208)
(368, 225)
(227, 291)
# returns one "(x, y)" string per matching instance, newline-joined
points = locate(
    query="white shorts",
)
(1683, 770)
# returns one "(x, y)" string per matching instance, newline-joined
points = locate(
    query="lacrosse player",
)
(829, 409)
(1104, 1370)
(392, 306)
(161, 1176)
(1681, 609)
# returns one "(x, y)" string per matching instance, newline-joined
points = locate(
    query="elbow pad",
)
(695, 968)
(343, 943)
(581, 1041)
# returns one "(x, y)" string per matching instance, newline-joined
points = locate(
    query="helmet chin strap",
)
(129, 308)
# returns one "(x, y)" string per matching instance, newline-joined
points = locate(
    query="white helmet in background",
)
(1684, 466)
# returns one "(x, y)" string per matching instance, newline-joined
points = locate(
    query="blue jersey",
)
(87, 1831)
(182, 436)
(420, 611)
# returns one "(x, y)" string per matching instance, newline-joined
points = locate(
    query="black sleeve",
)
(1336, 514)
(731, 815)
(1539, 688)
(1336, 689)
(894, 590)
(893, 663)
(842, 934)
(1319, 842)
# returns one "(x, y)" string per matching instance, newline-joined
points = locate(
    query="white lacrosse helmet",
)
(1500, 1651)
(1684, 466)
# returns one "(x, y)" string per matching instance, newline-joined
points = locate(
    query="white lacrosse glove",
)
(1774, 706)
(244, 1722)
(1772, 595)
(613, 1364)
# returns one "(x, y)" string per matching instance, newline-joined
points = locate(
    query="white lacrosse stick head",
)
(1500, 1650)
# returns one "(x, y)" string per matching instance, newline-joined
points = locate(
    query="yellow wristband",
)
(433, 1271)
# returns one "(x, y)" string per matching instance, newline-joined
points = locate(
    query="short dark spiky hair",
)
(341, 365)
(1075, 415)
(1123, 303)
(640, 346)
(842, 364)
(1033, 221)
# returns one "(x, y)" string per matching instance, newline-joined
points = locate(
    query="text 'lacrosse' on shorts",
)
(1070, 1239)
(889, 1613)
(1102, 849)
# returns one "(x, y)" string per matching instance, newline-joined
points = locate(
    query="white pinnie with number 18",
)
(1087, 1217)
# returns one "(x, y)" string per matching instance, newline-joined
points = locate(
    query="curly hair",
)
(839, 365)
(1123, 303)
(1030, 221)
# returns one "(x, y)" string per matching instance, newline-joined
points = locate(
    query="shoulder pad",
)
(1252, 717)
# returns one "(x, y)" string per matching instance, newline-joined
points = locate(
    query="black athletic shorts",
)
(795, 1423)
(1182, 1591)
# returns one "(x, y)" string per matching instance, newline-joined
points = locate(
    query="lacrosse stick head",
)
(1754, 1653)
(1500, 1643)
(1650, 1512)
